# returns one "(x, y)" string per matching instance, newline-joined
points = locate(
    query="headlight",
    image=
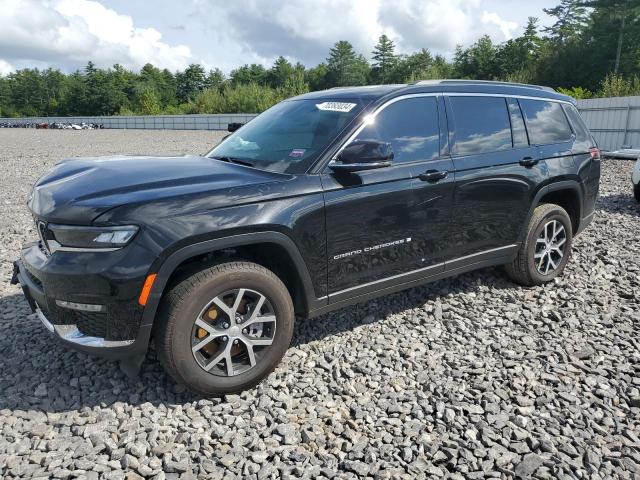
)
(70, 238)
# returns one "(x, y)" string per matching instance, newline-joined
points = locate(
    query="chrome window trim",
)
(504, 95)
(391, 101)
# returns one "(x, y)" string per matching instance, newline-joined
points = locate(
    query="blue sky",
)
(226, 34)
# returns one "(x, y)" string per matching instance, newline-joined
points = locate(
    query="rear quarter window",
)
(579, 127)
(546, 122)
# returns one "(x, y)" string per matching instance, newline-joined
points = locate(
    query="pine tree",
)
(345, 67)
(384, 60)
(571, 18)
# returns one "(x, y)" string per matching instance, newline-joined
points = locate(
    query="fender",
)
(552, 187)
(175, 259)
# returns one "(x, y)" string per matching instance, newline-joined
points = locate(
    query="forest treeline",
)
(591, 49)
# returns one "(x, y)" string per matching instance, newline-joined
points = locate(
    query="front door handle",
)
(433, 175)
(529, 162)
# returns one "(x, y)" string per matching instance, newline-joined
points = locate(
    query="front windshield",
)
(289, 136)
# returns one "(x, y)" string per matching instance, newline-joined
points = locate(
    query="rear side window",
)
(482, 125)
(411, 126)
(580, 129)
(546, 122)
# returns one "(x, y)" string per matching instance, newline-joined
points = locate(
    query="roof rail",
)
(370, 86)
(480, 82)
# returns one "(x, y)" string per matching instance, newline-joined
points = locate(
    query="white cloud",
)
(71, 32)
(226, 34)
(507, 28)
(305, 29)
(5, 67)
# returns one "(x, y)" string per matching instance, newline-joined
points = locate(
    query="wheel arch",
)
(292, 267)
(566, 193)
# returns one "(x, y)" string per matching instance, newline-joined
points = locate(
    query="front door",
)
(375, 218)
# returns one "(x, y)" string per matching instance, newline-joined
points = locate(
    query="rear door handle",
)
(529, 162)
(433, 175)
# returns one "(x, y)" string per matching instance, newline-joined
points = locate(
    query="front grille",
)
(41, 228)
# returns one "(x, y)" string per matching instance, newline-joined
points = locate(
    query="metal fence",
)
(161, 122)
(614, 122)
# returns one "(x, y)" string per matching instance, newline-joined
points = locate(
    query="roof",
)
(375, 92)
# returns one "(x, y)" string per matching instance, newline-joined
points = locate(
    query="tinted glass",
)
(546, 122)
(411, 126)
(518, 131)
(289, 136)
(580, 129)
(482, 125)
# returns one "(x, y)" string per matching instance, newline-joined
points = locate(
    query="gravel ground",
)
(469, 377)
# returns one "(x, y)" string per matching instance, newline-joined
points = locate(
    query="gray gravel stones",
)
(470, 377)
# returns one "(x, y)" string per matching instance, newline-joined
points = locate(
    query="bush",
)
(249, 98)
(617, 86)
(578, 93)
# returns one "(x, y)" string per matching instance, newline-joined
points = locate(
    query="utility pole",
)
(620, 35)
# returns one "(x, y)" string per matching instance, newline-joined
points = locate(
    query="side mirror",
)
(232, 127)
(363, 155)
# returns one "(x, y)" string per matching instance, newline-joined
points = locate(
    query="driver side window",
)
(411, 126)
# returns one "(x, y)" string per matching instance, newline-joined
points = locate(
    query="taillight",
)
(595, 153)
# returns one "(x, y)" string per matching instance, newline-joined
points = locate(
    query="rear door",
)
(496, 173)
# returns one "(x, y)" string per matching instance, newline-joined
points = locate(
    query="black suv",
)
(324, 200)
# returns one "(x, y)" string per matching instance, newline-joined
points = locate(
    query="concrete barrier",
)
(148, 122)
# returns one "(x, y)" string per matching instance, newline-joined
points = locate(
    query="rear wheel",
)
(546, 248)
(225, 328)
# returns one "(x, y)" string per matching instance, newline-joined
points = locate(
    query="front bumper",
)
(116, 333)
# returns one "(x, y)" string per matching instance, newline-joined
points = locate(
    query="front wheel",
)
(546, 248)
(223, 329)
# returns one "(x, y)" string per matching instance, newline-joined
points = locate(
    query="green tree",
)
(409, 68)
(190, 82)
(245, 74)
(215, 79)
(147, 100)
(384, 60)
(345, 67)
(478, 61)
(280, 72)
(618, 23)
(571, 19)
(317, 77)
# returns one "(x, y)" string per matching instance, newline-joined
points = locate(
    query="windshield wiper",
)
(234, 160)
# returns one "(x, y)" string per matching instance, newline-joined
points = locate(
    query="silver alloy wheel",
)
(550, 246)
(232, 331)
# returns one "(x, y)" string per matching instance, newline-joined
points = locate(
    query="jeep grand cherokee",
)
(324, 200)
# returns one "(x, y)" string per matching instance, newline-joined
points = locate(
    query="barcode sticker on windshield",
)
(335, 106)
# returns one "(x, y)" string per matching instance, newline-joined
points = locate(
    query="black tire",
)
(185, 301)
(523, 269)
(636, 192)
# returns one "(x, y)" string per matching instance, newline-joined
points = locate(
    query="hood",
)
(78, 190)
